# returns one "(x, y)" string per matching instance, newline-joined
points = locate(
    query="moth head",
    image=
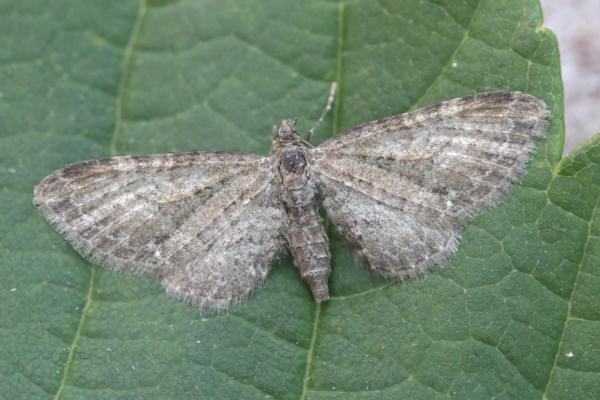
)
(287, 131)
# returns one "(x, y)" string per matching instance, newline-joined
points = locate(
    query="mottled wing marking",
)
(400, 189)
(208, 225)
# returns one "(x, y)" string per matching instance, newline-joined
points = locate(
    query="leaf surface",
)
(513, 316)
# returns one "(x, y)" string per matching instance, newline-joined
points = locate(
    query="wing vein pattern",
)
(207, 225)
(400, 189)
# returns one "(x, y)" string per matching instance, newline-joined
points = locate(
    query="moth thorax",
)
(293, 161)
(292, 168)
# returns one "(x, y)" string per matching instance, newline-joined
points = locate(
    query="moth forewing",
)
(400, 189)
(207, 225)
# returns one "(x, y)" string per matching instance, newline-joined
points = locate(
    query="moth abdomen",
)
(306, 236)
(309, 246)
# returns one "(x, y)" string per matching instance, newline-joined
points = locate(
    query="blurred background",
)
(575, 24)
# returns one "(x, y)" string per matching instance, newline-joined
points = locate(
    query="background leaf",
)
(515, 315)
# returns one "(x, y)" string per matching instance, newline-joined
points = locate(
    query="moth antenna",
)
(332, 91)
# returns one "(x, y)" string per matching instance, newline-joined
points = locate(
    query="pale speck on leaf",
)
(209, 225)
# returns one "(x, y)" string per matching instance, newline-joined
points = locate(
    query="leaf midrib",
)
(327, 222)
(336, 117)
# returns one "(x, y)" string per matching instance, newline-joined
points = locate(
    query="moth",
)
(209, 225)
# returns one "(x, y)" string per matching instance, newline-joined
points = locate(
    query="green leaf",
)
(513, 316)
